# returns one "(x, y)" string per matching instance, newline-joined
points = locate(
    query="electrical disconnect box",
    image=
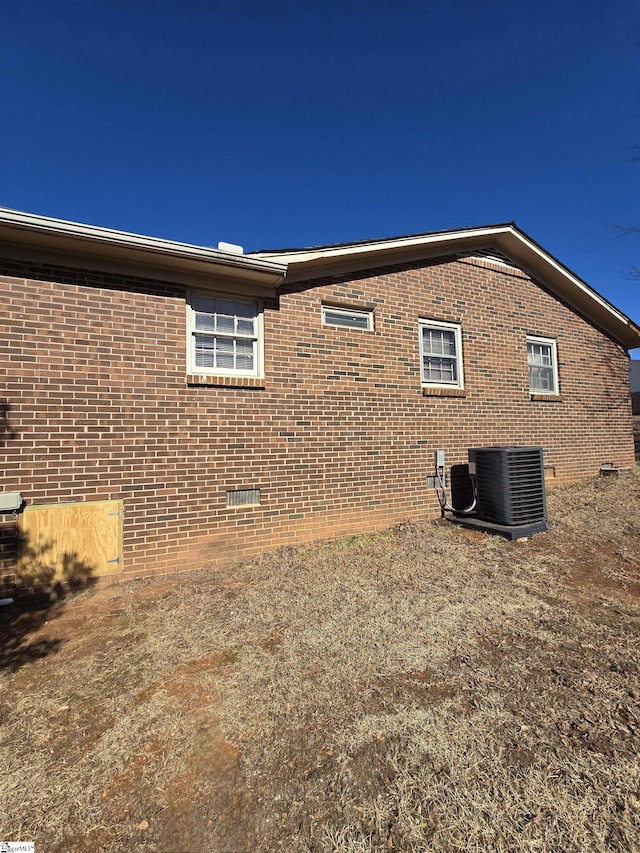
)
(10, 501)
(438, 481)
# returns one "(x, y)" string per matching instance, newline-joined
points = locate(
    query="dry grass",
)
(423, 690)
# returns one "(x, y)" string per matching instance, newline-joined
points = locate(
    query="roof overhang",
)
(32, 237)
(28, 235)
(305, 264)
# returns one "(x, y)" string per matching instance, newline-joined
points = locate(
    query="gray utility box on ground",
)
(509, 484)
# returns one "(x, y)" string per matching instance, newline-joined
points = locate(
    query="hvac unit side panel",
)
(510, 484)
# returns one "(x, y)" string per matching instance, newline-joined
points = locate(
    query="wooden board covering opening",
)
(69, 542)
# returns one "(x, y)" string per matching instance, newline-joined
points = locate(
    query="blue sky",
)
(284, 124)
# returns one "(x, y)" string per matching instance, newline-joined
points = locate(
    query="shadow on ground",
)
(40, 587)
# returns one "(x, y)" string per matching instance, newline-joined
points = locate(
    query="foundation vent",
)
(243, 497)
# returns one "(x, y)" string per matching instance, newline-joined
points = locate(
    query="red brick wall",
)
(340, 437)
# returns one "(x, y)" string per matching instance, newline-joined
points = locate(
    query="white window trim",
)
(197, 370)
(457, 329)
(342, 309)
(537, 339)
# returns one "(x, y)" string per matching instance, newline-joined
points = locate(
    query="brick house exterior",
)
(351, 365)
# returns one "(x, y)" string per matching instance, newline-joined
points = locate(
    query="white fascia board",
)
(311, 263)
(25, 225)
(544, 260)
(568, 286)
(394, 246)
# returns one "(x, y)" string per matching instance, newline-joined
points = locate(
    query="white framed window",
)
(441, 354)
(225, 335)
(543, 365)
(348, 318)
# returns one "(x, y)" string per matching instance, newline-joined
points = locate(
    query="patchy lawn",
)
(428, 689)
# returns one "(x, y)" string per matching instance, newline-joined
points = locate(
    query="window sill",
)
(225, 381)
(546, 398)
(443, 392)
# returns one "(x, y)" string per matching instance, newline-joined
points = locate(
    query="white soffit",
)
(304, 264)
(58, 235)
(29, 232)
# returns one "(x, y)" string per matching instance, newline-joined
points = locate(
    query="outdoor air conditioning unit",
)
(509, 484)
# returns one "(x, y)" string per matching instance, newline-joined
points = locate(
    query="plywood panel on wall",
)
(69, 542)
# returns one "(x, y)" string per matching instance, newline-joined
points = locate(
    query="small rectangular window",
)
(543, 365)
(441, 354)
(350, 318)
(225, 336)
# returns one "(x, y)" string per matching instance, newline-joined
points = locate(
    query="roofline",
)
(372, 241)
(314, 262)
(26, 231)
(44, 232)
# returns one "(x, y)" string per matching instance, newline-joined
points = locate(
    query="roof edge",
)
(43, 231)
(314, 262)
(384, 245)
(378, 240)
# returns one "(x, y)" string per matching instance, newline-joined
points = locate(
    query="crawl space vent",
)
(243, 497)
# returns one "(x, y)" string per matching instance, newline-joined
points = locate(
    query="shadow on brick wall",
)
(38, 586)
(38, 582)
(6, 433)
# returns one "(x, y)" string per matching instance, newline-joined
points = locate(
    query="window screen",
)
(225, 335)
(350, 318)
(541, 355)
(440, 354)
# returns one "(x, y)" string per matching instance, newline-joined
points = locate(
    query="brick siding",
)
(339, 437)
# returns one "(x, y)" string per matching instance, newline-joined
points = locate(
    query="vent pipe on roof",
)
(230, 248)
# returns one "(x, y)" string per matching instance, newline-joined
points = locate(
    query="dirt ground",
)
(427, 689)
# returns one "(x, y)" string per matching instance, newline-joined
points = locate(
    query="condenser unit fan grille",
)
(510, 484)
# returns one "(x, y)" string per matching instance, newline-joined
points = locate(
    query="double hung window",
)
(543, 365)
(441, 354)
(225, 336)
